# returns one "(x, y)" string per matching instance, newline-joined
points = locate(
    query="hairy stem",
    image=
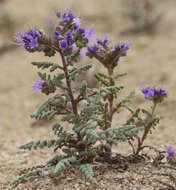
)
(108, 123)
(146, 131)
(68, 82)
(111, 100)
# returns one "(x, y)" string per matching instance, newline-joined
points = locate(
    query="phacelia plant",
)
(144, 15)
(89, 112)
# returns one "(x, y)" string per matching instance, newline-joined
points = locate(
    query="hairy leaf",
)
(86, 169)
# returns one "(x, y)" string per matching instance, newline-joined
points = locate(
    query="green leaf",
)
(42, 75)
(83, 89)
(51, 107)
(57, 129)
(111, 89)
(87, 170)
(103, 79)
(120, 75)
(54, 158)
(38, 144)
(69, 118)
(64, 164)
(108, 147)
(58, 79)
(74, 72)
(42, 65)
(129, 98)
(54, 67)
(46, 65)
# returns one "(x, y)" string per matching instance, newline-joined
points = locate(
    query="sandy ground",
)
(151, 61)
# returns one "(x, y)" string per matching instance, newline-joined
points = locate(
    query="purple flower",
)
(58, 14)
(38, 85)
(74, 48)
(82, 30)
(71, 16)
(105, 39)
(89, 32)
(117, 47)
(57, 33)
(63, 44)
(30, 39)
(83, 53)
(148, 92)
(125, 47)
(77, 22)
(103, 42)
(67, 17)
(75, 27)
(69, 37)
(170, 151)
(154, 93)
(161, 92)
(92, 49)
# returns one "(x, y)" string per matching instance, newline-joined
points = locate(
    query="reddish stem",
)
(111, 100)
(146, 131)
(68, 82)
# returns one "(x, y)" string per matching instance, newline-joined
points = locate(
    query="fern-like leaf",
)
(46, 65)
(87, 170)
(38, 144)
(64, 164)
(51, 107)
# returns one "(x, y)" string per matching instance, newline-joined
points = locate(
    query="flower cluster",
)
(156, 94)
(30, 39)
(107, 55)
(69, 33)
(73, 42)
(68, 38)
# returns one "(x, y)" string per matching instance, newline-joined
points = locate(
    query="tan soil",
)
(151, 61)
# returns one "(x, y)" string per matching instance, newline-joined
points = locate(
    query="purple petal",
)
(170, 151)
(77, 21)
(89, 32)
(37, 85)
